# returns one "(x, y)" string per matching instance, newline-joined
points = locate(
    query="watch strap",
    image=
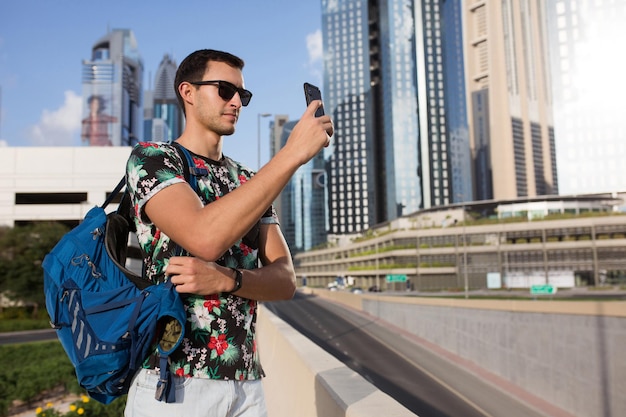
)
(238, 279)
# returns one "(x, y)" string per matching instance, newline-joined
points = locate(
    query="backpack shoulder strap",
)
(192, 172)
(115, 192)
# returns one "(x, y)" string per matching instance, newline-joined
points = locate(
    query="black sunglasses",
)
(227, 90)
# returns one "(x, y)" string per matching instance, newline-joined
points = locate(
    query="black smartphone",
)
(311, 93)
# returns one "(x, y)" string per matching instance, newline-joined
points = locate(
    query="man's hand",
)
(310, 134)
(194, 276)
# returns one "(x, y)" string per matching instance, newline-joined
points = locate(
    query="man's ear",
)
(186, 92)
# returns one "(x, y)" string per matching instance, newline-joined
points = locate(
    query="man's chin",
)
(227, 132)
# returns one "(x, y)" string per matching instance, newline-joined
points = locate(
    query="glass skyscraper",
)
(165, 104)
(301, 205)
(588, 87)
(112, 91)
(398, 122)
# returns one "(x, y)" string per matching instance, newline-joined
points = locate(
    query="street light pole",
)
(258, 124)
(465, 257)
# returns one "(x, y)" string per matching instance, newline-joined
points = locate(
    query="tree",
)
(22, 250)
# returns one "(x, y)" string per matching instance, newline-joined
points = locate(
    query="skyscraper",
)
(301, 206)
(112, 91)
(398, 122)
(587, 78)
(509, 99)
(165, 104)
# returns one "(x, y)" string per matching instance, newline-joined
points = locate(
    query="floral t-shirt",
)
(220, 336)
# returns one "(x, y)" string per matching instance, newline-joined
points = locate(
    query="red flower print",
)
(199, 163)
(212, 301)
(218, 344)
(149, 145)
(245, 249)
(157, 236)
(242, 179)
(180, 372)
(252, 306)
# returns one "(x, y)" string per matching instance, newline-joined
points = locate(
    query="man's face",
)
(216, 113)
(94, 105)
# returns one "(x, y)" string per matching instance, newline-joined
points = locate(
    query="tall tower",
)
(301, 205)
(509, 100)
(165, 104)
(387, 84)
(112, 91)
(588, 87)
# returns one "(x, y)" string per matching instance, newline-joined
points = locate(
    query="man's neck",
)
(207, 144)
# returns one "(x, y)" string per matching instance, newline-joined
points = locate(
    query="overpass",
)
(561, 356)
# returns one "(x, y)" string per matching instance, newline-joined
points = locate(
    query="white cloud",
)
(315, 49)
(58, 127)
(3, 143)
(314, 46)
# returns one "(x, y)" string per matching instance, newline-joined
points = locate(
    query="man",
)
(225, 228)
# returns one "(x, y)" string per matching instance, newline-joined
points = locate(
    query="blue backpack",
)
(106, 317)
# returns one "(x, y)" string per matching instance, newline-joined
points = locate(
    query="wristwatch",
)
(238, 278)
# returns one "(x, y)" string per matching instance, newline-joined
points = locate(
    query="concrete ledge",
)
(587, 308)
(303, 380)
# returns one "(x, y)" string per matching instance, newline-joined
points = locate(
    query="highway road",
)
(425, 383)
(27, 336)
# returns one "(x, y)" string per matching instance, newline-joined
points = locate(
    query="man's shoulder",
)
(153, 145)
(153, 149)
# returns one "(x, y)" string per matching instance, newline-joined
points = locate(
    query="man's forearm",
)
(273, 282)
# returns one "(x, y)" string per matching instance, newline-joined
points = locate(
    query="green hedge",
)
(28, 369)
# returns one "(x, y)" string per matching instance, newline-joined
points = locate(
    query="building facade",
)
(112, 82)
(301, 206)
(431, 251)
(387, 85)
(165, 108)
(509, 99)
(57, 183)
(588, 89)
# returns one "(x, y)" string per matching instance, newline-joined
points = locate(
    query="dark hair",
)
(193, 67)
(99, 99)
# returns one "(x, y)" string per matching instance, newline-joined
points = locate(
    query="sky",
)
(43, 44)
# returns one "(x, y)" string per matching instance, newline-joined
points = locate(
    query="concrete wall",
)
(305, 381)
(568, 353)
(92, 170)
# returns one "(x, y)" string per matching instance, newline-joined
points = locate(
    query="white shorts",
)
(196, 397)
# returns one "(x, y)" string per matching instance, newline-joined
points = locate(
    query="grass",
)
(29, 372)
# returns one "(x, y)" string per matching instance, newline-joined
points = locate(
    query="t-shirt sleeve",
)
(150, 168)
(270, 216)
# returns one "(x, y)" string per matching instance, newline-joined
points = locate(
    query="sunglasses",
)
(227, 90)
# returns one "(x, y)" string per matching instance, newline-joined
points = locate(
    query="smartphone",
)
(311, 93)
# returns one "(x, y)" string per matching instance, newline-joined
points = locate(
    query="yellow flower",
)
(49, 405)
(39, 410)
(80, 411)
(84, 398)
(72, 407)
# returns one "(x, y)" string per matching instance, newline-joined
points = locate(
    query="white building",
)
(56, 183)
